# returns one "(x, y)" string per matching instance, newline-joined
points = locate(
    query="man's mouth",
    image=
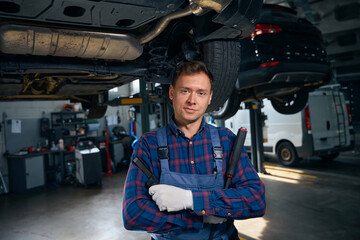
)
(190, 110)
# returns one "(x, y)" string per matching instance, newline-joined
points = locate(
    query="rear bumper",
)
(332, 151)
(338, 149)
(307, 147)
(308, 151)
(294, 73)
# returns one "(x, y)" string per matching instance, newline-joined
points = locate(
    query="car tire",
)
(286, 154)
(229, 108)
(94, 109)
(290, 104)
(330, 157)
(223, 60)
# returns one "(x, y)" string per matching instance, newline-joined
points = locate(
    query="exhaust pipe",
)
(162, 24)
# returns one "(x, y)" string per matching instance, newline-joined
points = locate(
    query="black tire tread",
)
(231, 108)
(222, 57)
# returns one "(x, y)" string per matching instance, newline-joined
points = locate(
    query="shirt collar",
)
(175, 129)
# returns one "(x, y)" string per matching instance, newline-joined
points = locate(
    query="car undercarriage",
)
(78, 50)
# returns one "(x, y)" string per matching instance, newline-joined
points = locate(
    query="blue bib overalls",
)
(194, 182)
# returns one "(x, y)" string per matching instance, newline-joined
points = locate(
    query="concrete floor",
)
(301, 204)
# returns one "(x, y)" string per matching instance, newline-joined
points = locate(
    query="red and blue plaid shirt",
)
(244, 199)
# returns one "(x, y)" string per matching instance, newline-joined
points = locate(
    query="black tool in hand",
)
(152, 178)
(236, 153)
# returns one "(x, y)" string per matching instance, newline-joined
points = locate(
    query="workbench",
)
(34, 170)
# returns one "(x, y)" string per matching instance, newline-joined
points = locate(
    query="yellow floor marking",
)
(283, 178)
(287, 171)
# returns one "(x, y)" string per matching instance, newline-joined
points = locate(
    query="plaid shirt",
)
(245, 197)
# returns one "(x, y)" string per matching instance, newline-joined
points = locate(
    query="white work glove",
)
(171, 198)
(214, 220)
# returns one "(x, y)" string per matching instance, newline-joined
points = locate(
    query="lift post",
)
(144, 108)
(257, 121)
(151, 96)
(148, 95)
(166, 112)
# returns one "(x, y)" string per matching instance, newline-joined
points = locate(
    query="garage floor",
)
(305, 203)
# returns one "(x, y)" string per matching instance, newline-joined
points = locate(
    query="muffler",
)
(19, 39)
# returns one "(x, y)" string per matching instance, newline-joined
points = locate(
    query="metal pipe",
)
(212, 4)
(161, 25)
(196, 7)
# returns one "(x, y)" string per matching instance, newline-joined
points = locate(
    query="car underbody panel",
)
(108, 14)
(22, 76)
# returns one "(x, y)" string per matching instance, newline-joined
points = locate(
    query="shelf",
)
(68, 123)
(67, 113)
(74, 136)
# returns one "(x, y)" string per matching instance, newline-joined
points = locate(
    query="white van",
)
(323, 128)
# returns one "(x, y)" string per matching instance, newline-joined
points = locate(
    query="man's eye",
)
(185, 91)
(202, 93)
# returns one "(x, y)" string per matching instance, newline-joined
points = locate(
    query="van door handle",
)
(328, 125)
(323, 139)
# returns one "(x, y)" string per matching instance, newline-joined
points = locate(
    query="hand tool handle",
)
(235, 156)
(152, 178)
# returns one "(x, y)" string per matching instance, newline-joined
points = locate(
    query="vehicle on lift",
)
(78, 50)
(323, 128)
(282, 60)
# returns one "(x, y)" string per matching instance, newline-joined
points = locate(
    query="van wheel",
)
(286, 154)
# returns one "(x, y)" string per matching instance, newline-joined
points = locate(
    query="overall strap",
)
(163, 151)
(215, 139)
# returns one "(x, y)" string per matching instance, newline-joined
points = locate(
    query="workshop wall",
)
(23, 110)
(30, 111)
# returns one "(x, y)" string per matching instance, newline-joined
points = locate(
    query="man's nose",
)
(192, 98)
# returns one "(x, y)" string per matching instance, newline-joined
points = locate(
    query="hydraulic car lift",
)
(257, 121)
(147, 96)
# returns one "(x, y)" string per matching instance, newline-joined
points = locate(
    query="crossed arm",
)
(166, 208)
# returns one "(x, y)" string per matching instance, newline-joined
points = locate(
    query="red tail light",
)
(281, 8)
(307, 119)
(349, 114)
(269, 64)
(265, 29)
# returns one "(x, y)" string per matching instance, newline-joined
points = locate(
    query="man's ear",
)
(171, 92)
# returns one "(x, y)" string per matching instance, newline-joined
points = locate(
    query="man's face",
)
(191, 96)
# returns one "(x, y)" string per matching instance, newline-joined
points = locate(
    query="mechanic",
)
(191, 197)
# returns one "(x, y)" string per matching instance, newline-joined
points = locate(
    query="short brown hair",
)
(189, 68)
